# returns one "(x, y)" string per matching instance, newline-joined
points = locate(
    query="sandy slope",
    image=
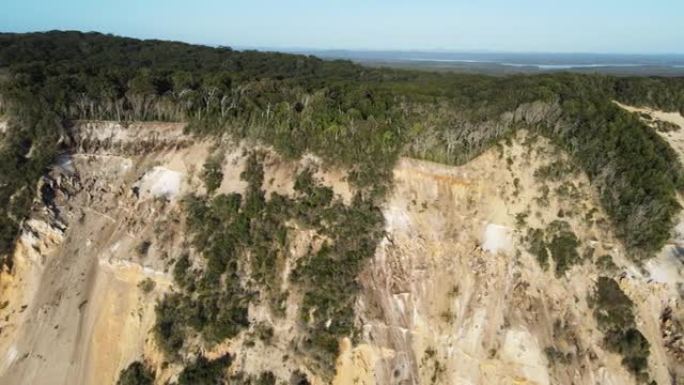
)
(451, 297)
(76, 314)
(675, 138)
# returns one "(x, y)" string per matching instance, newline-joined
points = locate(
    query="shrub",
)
(212, 172)
(555, 171)
(147, 285)
(205, 372)
(181, 270)
(605, 263)
(233, 233)
(266, 378)
(170, 325)
(136, 374)
(143, 248)
(563, 247)
(614, 315)
(537, 247)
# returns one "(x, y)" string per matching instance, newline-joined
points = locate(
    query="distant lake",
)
(538, 65)
(671, 65)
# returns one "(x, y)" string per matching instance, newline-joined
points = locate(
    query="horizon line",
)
(303, 49)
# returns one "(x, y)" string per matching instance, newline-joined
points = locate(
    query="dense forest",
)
(358, 118)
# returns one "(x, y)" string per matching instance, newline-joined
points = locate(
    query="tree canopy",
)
(359, 118)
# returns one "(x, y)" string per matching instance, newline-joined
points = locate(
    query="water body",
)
(628, 64)
(538, 65)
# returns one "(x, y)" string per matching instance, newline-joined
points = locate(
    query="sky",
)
(597, 26)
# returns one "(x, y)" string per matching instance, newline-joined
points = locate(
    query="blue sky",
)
(610, 26)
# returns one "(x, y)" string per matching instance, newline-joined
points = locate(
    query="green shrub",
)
(233, 233)
(205, 372)
(605, 263)
(143, 248)
(147, 285)
(554, 356)
(555, 171)
(212, 172)
(615, 317)
(538, 247)
(136, 374)
(563, 247)
(560, 241)
(181, 270)
(266, 378)
(614, 310)
(170, 324)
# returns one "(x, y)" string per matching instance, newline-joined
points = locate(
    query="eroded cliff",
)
(457, 292)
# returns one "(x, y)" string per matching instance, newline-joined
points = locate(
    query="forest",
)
(360, 118)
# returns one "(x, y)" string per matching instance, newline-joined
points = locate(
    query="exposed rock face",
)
(75, 314)
(452, 296)
(673, 334)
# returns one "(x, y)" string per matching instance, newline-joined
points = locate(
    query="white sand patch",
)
(470, 335)
(3, 126)
(666, 268)
(672, 117)
(520, 348)
(66, 164)
(126, 165)
(10, 357)
(496, 238)
(675, 138)
(160, 182)
(396, 219)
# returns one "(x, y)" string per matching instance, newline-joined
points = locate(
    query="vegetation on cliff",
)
(615, 317)
(136, 374)
(245, 238)
(356, 117)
